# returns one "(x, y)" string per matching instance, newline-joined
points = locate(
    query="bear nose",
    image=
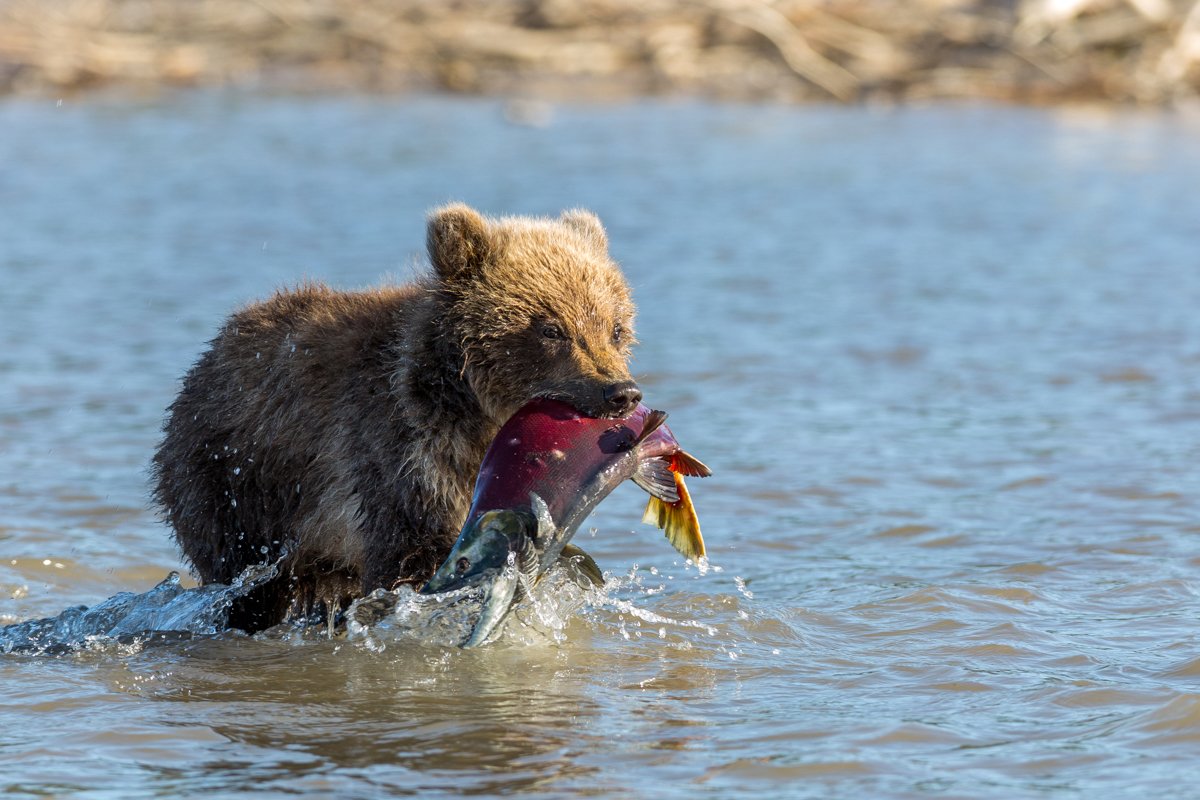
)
(622, 397)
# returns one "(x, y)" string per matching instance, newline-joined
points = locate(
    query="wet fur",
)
(343, 430)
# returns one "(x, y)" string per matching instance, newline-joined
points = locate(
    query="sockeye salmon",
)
(546, 470)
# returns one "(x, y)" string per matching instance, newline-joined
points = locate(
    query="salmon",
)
(546, 470)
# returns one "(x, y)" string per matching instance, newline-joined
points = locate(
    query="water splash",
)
(544, 612)
(168, 612)
(401, 615)
(447, 619)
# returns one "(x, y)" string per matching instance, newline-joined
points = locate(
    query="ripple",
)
(1177, 722)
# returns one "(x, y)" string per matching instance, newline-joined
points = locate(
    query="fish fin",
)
(678, 521)
(583, 565)
(545, 523)
(654, 421)
(655, 477)
(527, 560)
(687, 464)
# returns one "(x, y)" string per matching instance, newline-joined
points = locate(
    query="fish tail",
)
(678, 521)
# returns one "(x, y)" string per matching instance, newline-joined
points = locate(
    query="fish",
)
(547, 468)
(497, 551)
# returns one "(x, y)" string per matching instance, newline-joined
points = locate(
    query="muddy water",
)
(943, 361)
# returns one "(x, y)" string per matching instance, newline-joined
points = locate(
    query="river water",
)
(944, 362)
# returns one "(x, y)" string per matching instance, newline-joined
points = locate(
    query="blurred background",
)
(1130, 51)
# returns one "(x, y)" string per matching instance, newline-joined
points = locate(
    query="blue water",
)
(942, 360)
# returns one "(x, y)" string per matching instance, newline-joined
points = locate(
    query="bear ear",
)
(588, 225)
(457, 240)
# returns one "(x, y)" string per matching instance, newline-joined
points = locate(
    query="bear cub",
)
(342, 431)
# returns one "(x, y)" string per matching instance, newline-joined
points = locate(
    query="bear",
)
(339, 432)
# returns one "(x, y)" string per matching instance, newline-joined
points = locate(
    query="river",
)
(944, 362)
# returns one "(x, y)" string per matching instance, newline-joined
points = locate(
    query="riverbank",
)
(1038, 51)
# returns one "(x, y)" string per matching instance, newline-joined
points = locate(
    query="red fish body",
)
(572, 462)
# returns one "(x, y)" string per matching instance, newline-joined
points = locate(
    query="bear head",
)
(538, 308)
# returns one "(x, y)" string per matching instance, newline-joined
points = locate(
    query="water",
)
(167, 612)
(943, 361)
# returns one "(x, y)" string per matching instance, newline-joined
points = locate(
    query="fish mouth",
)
(493, 552)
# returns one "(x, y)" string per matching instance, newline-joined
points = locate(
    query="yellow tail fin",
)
(678, 521)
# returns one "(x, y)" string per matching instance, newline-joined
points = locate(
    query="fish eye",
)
(462, 565)
(552, 331)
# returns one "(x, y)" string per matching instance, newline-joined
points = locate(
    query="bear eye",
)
(618, 332)
(462, 565)
(552, 331)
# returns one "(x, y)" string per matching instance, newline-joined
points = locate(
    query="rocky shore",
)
(1037, 51)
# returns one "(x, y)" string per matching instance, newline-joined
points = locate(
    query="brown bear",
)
(343, 430)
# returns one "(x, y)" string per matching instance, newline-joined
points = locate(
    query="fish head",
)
(497, 552)
(486, 546)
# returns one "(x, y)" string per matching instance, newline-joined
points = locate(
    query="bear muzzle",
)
(621, 398)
